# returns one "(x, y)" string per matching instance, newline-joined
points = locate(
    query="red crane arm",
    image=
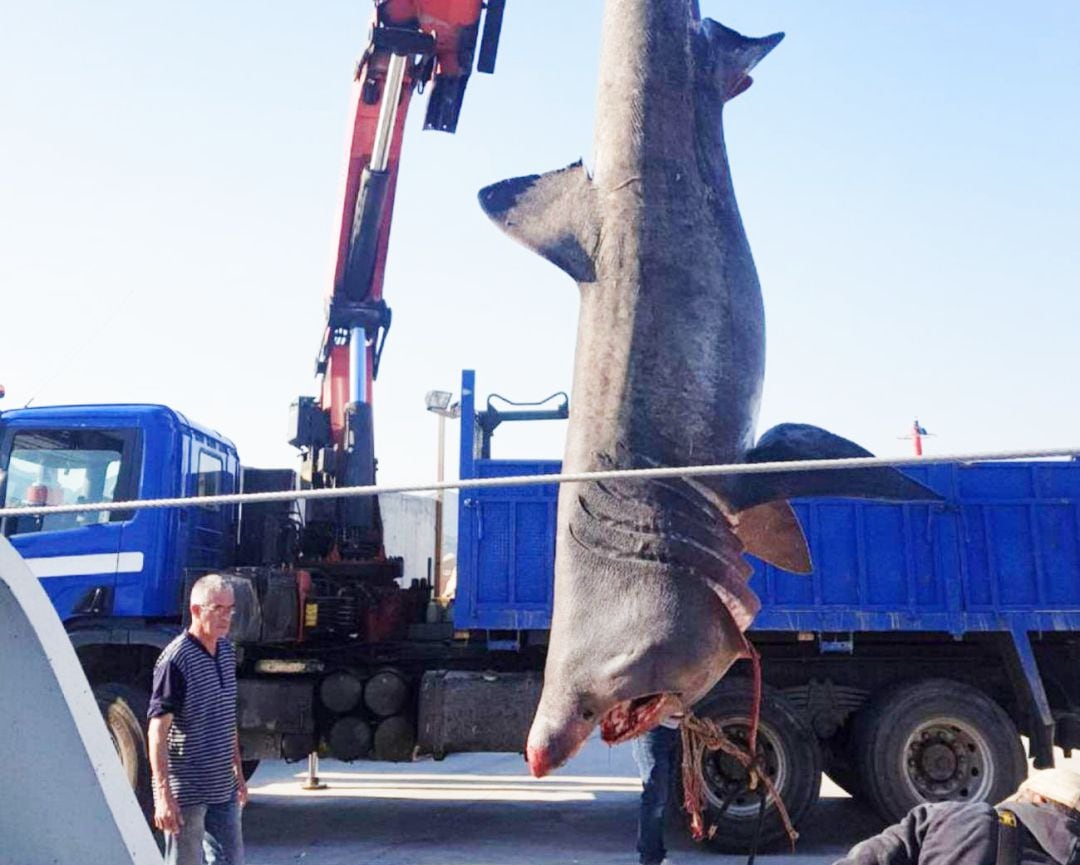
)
(412, 43)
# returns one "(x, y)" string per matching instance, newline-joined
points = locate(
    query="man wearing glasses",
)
(199, 787)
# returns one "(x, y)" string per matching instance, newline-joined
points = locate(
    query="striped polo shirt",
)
(199, 690)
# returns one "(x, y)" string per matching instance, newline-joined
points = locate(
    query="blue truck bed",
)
(1001, 553)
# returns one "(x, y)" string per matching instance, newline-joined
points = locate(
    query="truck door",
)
(210, 538)
(76, 556)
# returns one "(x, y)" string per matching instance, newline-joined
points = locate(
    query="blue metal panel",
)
(506, 539)
(1002, 553)
(510, 535)
(867, 556)
(1060, 554)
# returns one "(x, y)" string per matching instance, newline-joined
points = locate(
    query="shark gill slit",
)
(677, 534)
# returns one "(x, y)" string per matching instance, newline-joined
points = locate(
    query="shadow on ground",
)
(483, 809)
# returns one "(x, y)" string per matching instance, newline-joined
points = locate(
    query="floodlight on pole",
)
(438, 400)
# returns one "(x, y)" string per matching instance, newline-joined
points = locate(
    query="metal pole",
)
(438, 580)
(384, 127)
(313, 782)
(358, 358)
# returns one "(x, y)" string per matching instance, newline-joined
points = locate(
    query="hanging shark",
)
(651, 596)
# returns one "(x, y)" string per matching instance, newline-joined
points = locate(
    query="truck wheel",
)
(123, 709)
(933, 741)
(793, 760)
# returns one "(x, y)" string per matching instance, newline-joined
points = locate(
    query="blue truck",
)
(927, 640)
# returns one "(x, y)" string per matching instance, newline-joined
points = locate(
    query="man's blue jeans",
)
(655, 755)
(213, 830)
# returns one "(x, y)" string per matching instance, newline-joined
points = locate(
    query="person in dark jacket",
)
(1042, 817)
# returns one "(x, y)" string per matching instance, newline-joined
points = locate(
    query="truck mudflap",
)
(1067, 732)
(470, 711)
(1023, 670)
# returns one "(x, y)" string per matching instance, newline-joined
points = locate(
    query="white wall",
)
(409, 531)
(66, 798)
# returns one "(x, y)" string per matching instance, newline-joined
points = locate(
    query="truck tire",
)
(124, 710)
(791, 754)
(933, 741)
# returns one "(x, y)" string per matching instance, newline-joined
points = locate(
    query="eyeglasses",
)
(217, 609)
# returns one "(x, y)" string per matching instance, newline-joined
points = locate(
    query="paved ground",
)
(484, 809)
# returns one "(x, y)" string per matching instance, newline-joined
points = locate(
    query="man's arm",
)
(238, 767)
(166, 698)
(166, 810)
(937, 831)
(896, 845)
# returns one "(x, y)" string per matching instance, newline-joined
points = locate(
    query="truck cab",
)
(116, 564)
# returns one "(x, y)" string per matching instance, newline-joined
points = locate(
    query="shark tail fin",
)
(552, 214)
(730, 56)
(804, 442)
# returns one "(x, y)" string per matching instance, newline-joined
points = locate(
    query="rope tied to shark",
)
(702, 735)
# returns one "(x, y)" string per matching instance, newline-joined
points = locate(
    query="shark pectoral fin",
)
(790, 442)
(552, 214)
(771, 531)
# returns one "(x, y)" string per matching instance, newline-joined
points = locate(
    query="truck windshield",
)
(54, 467)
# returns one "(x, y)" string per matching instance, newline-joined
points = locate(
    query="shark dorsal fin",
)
(552, 214)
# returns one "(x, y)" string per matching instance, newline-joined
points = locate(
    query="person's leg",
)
(224, 842)
(667, 751)
(654, 753)
(186, 846)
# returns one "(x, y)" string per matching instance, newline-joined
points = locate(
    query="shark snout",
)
(554, 741)
(539, 760)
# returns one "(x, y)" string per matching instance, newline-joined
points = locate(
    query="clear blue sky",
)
(170, 182)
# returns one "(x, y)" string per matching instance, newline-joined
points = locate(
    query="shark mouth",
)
(631, 718)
